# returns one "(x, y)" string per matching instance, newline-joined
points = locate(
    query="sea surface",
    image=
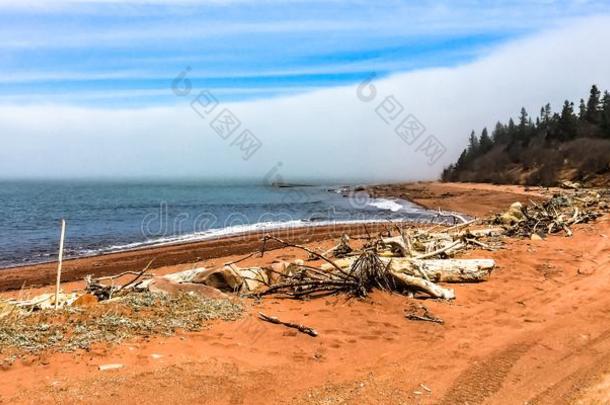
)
(105, 217)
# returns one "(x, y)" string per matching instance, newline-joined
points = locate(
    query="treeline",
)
(573, 144)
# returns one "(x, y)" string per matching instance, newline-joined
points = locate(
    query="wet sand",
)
(135, 260)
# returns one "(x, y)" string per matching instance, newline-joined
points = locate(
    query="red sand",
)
(537, 331)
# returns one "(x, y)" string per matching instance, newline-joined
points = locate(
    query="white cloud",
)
(323, 134)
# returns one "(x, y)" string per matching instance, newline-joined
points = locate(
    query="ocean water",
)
(105, 217)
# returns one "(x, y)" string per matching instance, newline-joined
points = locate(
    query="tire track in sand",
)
(485, 378)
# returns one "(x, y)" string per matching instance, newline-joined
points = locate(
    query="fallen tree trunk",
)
(447, 270)
(397, 245)
(496, 231)
(419, 284)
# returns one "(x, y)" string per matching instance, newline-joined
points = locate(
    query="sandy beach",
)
(536, 331)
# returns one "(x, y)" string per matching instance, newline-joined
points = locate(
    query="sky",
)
(109, 89)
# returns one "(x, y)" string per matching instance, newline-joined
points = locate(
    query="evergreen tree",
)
(523, 118)
(485, 142)
(547, 113)
(593, 105)
(582, 110)
(524, 127)
(605, 115)
(511, 143)
(567, 121)
(499, 134)
(473, 146)
(461, 162)
(447, 174)
(511, 131)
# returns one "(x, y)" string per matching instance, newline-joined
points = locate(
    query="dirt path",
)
(538, 331)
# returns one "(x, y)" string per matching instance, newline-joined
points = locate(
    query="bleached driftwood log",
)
(447, 249)
(397, 245)
(497, 231)
(447, 270)
(418, 283)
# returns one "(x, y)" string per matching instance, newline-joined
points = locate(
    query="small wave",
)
(197, 236)
(235, 230)
(384, 204)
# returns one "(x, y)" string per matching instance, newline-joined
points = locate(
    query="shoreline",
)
(393, 209)
(105, 264)
(193, 238)
(75, 269)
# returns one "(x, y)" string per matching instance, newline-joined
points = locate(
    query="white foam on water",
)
(235, 230)
(385, 204)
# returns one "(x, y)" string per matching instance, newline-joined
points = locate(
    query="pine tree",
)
(473, 146)
(524, 126)
(545, 117)
(547, 113)
(447, 174)
(582, 110)
(461, 162)
(605, 113)
(567, 121)
(593, 105)
(485, 142)
(523, 118)
(499, 134)
(511, 131)
(511, 140)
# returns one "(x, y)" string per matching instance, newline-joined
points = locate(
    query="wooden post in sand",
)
(61, 258)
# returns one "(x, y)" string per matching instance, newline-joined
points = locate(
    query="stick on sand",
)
(61, 258)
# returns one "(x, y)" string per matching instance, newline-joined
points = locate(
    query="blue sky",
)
(115, 54)
(85, 85)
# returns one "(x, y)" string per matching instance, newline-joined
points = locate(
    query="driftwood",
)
(105, 292)
(447, 270)
(455, 216)
(555, 215)
(419, 284)
(426, 316)
(340, 250)
(398, 245)
(311, 252)
(301, 328)
(455, 245)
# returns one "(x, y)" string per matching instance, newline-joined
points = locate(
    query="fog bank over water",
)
(332, 135)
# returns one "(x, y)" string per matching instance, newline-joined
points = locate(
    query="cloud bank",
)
(329, 135)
